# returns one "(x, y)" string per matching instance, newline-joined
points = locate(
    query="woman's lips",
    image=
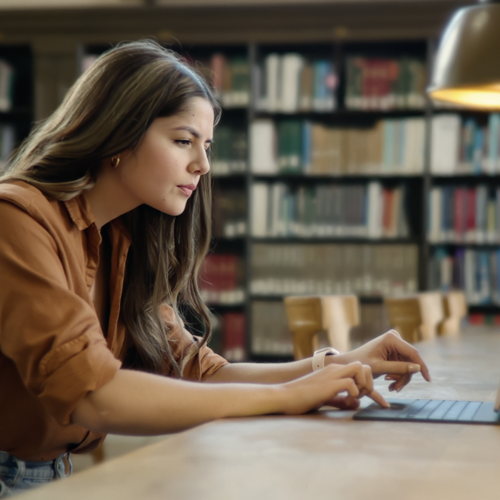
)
(188, 189)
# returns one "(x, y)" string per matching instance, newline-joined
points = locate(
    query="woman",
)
(105, 216)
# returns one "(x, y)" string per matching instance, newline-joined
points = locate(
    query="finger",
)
(378, 398)
(407, 350)
(395, 332)
(354, 371)
(343, 402)
(392, 376)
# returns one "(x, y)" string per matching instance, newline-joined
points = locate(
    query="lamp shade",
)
(467, 66)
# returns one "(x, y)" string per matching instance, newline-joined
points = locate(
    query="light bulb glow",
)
(481, 97)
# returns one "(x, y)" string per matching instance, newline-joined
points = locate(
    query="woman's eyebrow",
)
(192, 131)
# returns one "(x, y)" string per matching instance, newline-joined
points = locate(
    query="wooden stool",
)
(309, 315)
(432, 312)
(404, 316)
(455, 308)
(416, 317)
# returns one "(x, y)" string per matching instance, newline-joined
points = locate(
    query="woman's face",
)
(165, 169)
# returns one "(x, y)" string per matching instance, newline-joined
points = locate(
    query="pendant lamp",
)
(467, 65)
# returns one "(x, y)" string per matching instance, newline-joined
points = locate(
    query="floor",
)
(114, 446)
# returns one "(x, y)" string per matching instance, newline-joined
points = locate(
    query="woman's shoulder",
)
(25, 196)
(20, 192)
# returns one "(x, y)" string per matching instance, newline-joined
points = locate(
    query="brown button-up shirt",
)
(52, 347)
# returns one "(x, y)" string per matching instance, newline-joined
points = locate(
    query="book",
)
(263, 147)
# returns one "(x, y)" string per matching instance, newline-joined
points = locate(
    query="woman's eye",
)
(184, 142)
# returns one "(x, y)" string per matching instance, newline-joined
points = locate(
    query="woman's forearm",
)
(262, 373)
(137, 403)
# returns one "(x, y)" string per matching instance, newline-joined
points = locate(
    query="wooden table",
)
(325, 455)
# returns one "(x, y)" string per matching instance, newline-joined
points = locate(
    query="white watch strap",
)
(318, 359)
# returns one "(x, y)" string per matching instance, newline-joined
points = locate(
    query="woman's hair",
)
(107, 111)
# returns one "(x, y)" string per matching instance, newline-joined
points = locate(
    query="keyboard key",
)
(441, 410)
(454, 412)
(469, 411)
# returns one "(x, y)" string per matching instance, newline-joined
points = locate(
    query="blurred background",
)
(333, 172)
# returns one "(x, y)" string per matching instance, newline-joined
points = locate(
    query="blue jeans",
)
(18, 475)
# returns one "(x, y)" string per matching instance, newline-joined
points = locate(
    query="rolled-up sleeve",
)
(198, 367)
(47, 329)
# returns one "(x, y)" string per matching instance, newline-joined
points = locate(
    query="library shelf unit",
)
(288, 223)
(16, 97)
(328, 32)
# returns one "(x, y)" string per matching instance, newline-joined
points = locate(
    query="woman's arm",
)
(137, 403)
(387, 354)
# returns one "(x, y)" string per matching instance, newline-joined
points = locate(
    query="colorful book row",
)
(325, 211)
(393, 146)
(460, 214)
(463, 146)
(291, 82)
(385, 84)
(476, 271)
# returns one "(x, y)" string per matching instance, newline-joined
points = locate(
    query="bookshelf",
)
(16, 97)
(294, 216)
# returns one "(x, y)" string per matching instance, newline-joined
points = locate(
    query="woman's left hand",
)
(388, 355)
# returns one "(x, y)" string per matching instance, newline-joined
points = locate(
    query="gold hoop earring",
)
(115, 161)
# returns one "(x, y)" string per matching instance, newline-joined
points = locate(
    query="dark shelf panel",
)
(457, 178)
(364, 115)
(363, 299)
(345, 240)
(472, 245)
(348, 177)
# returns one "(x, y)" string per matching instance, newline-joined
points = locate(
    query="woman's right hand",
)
(341, 386)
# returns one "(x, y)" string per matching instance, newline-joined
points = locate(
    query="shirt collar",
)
(80, 212)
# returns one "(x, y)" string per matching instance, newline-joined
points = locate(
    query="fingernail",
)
(413, 368)
(399, 389)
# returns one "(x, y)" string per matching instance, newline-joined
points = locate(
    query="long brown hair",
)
(107, 111)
